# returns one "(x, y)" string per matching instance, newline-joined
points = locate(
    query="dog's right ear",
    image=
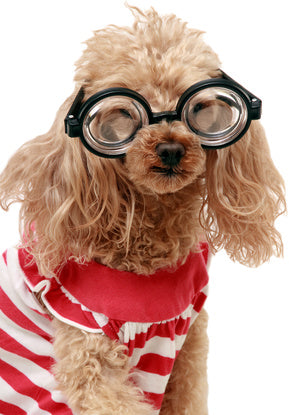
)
(33, 165)
(33, 176)
(69, 197)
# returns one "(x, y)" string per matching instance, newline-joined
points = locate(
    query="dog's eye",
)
(210, 116)
(215, 113)
(116, 124)
(112, 123)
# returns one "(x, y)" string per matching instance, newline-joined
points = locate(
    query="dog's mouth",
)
(168, 172)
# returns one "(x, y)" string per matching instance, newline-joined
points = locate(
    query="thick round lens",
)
(111, 124)
(218, 115)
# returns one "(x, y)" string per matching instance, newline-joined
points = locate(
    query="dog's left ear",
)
(244, 196)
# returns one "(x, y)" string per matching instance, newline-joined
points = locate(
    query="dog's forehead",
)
(160, 60)
(161, 81)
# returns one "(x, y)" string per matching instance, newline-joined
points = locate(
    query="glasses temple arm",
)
(71, 123)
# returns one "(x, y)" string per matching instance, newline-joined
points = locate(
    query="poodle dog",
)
(156, 159)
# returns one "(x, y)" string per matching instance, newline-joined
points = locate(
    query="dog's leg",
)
(93, 373)
(187, 390)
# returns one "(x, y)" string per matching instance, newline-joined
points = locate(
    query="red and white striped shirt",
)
(151, 315)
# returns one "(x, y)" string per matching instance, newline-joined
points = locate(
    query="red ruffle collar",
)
(126, 296)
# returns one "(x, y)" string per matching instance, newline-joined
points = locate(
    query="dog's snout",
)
(170, 153)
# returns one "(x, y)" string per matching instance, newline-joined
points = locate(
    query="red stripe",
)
(199, 301)
(12, 346)
(182, 326)
(47, 316)
(154, 363)
(111, 329)
(155, 399)
(166, 330)
(21, 384)
(14, 314)
(4, 255)
(29, 267)
(10, 409)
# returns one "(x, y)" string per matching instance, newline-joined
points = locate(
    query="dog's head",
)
(159, 59)
(79, 202)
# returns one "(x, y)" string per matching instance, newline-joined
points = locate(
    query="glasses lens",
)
(218, 115)
(110, 125)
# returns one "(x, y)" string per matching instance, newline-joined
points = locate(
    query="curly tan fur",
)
(126, 215)
(94, 373)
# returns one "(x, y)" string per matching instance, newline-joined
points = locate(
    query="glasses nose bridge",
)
(168, 116)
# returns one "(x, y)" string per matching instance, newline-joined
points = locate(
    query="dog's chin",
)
(161, 180)
(147, 172)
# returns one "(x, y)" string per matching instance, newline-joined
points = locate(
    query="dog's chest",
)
(150, 315)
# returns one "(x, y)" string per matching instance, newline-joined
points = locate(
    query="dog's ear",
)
(244, 196)
(69, 197)
(33, 172)
(35, 176)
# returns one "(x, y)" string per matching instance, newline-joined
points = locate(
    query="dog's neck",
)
(163, 230)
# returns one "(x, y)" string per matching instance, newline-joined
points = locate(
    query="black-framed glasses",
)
(218, 110)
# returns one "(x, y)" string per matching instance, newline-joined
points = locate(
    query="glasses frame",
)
(79, 109)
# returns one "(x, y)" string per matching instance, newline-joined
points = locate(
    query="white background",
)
(249, 311)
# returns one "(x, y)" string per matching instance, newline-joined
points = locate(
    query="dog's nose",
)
(170, 153)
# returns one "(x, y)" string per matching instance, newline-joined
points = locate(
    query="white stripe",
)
(205, 290)
(161, 346)
(129, 329)
(164, 346)
(58, 397)
(13, 285)
(194, 316)
(209, 261)
(27, 404)
(158, 345)
(180, 340)
(26, 338)
(135, 357)
(101, 319)
(36, 374)
(150, 382)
